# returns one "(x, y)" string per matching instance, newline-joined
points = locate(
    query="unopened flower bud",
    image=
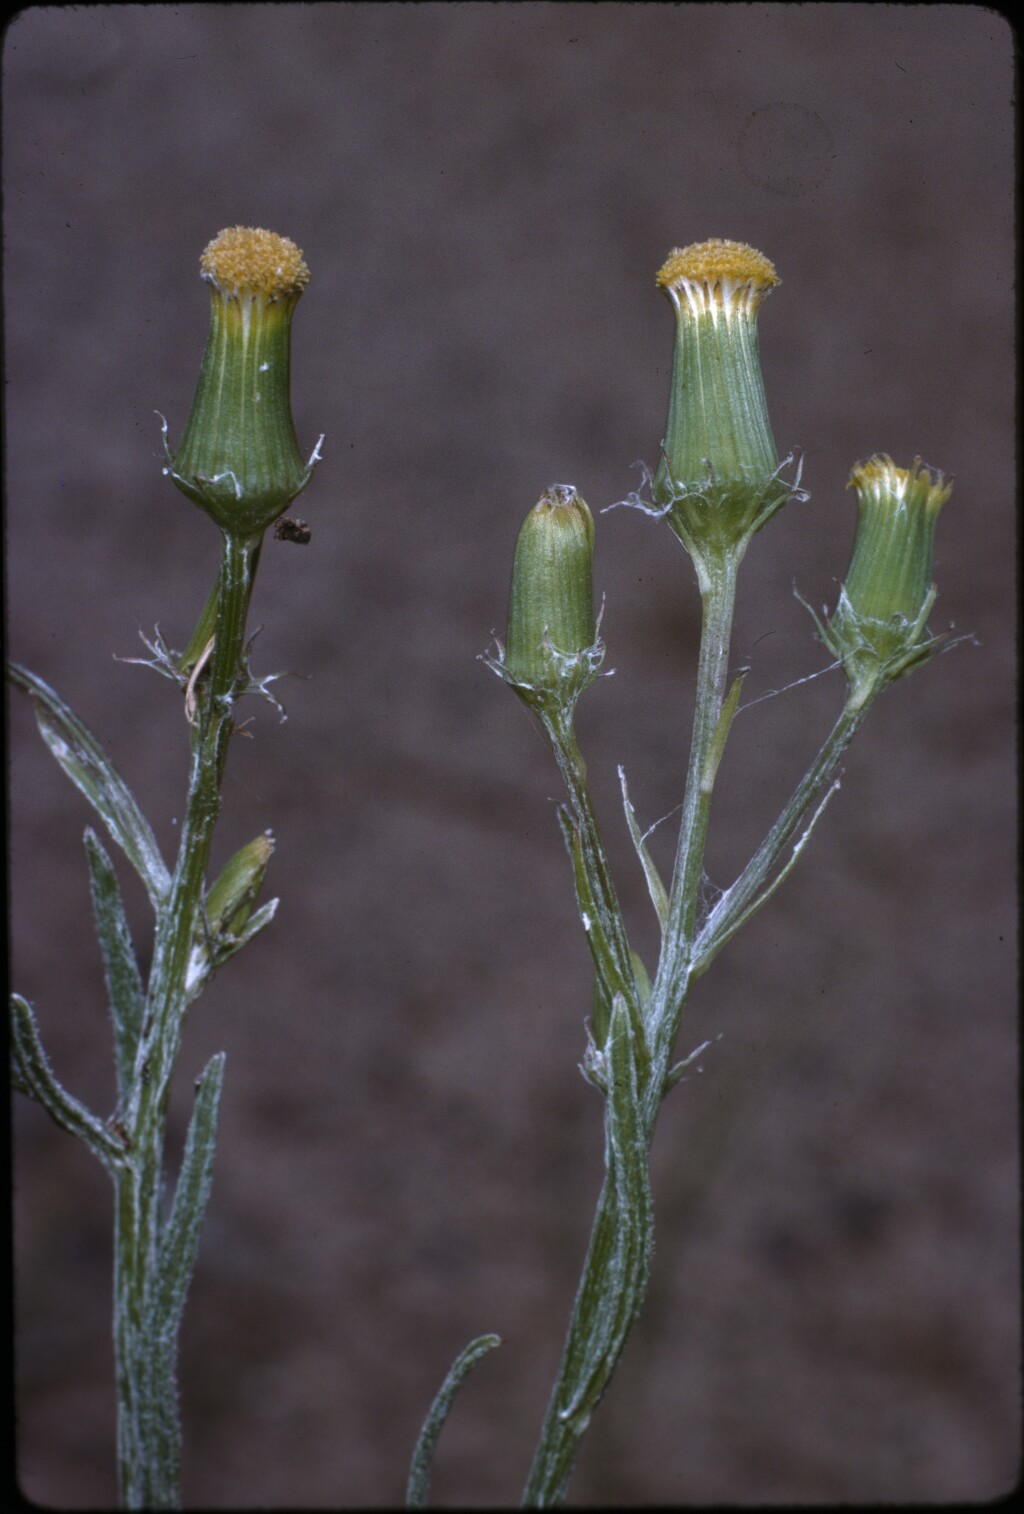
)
(879, 627)
(230, 900)
(551, 633)
(239, 458)
(718, 480)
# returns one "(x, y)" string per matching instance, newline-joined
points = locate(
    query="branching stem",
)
(615, 1271)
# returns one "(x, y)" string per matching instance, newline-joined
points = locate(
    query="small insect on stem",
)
(290, 528)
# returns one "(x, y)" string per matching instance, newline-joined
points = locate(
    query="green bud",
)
(230, 900)
(550, 650)
(718, 481)
(879, 628)
(239, 458)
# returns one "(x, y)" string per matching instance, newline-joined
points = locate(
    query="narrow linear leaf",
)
(601, 1005)
(120, 969)
(675, 1074)
(614, 1277)
(419, 1472)
(256, 923)
(655, 887)
(227, 945)
(727, 918)
(643, 978)
(606, 964)
(721, 734)
(211, 952)
(180, 1240)
(206, 627)
(613, 1310)
(608, 975)
(33, 1075)
(18, 1081)
(94, 775)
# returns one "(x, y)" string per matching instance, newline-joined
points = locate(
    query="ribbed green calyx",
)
(551, 608)
(879, 627)
(719, 464)
(239, 459)
(890, 573)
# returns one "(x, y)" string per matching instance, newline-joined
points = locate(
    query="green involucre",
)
(551, 608)
(879, 626)
(239, 459)
(718, 479)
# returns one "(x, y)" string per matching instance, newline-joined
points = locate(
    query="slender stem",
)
(606, 1288)
(615, 1275)
(615, 1271)
(149, 1437)
(718, 593)
(573, 769)
(560, 1435)
(739, 901)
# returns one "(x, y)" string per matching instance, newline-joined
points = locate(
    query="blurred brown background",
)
(408, 1154)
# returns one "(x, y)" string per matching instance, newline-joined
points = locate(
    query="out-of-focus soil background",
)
(408, 1153)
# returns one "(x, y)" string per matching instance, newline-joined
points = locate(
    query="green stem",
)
(615, 1274)
(149, 1436)
(752, 887)
(573, 769)
(606, 937)
(609, 1290)
(718, 594)
(560, 1435)
(617, 1264)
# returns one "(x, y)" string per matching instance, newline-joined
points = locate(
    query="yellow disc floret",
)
(711, 262)
(880, 478)
(246, 260)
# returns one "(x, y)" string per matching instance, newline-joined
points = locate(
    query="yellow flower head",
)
(716, 277)
(246, 260)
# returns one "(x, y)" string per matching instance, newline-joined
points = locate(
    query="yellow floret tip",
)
(879, 472)
(880, 475)
(711, 262)
(245, 260)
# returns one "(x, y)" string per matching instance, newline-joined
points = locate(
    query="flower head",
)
(717, 278)
(239, 458)
(718, 481)
(879, 626)
(245, 262)
(552, 651)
